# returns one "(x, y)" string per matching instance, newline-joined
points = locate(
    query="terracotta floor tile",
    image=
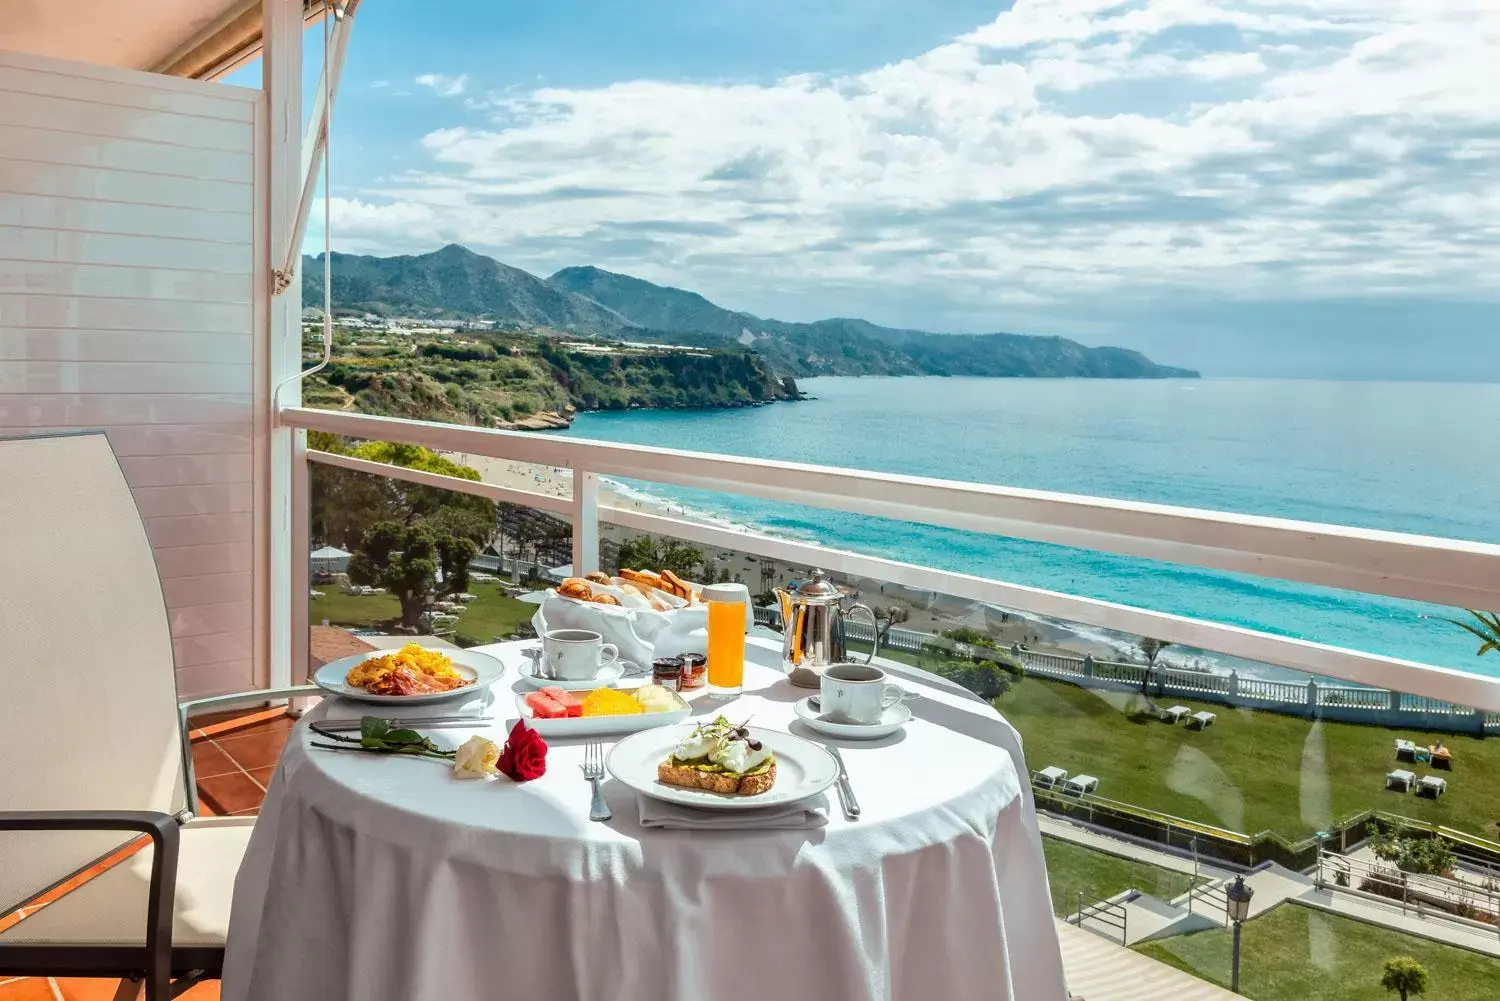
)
(258, 749)
(208, 719)
(263, 776)
(210, 760)
(231, 793)
(27, 989)
(87, 988)
(93, 989)
(240, 721)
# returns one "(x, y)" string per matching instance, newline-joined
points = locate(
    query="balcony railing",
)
(1439, 571)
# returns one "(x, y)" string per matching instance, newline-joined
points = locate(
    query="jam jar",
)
(694, 671)
(667, 672)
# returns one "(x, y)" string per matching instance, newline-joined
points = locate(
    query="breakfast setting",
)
(651, 745)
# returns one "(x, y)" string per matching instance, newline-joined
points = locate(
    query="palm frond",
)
(1487, 631)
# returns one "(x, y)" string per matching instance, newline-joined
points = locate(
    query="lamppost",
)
(1238, 896)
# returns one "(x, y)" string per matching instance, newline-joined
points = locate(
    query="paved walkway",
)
(1100, 970)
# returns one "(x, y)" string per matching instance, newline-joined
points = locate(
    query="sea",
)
(1405, 456)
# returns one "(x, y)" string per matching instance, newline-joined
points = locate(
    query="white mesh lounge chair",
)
(95, 751)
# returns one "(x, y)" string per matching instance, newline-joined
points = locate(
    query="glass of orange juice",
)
(726, 638)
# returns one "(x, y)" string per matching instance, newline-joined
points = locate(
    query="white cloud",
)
(444, 86)
(1068, 147)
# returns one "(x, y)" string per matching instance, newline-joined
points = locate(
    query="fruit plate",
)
(483, 669)
(803, 769)
(599, 726)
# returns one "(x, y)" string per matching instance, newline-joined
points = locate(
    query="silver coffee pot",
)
(812, 623)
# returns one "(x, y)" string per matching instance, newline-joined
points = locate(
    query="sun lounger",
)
(1201, 720)
(1405, 750)
(1049, 776)
(1433, 785)
(1400, 778)
(1081, 784)
(1174, 714)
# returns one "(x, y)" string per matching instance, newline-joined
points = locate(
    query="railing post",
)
(281, 563)
(585, 522)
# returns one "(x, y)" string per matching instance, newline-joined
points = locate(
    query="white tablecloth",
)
(377, 879)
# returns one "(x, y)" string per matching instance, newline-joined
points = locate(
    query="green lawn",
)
(490, 616)
(1072, 868)
(1249, 771)
(1295, 953)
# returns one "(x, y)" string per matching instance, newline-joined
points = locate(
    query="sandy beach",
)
(924, 611)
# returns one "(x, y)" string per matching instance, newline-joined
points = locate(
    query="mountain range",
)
(455, 283)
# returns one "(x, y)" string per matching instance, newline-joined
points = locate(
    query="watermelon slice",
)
(543, 706)
(568, 700)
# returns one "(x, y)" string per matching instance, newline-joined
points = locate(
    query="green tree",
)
(1405, 976)
(1414, 852)
(647, 553)
(983, 669)
(403, 559)
(345, 503)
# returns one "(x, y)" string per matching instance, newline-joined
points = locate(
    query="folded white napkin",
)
(808, 814)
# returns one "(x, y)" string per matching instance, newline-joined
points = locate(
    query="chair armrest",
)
(164, 834)
(223, 702)
(244, 698)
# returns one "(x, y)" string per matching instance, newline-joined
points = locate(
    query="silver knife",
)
(846, 791)
(339, 725)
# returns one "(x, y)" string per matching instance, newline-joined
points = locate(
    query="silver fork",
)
(593, 770)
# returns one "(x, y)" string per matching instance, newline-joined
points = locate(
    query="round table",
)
(370, 878)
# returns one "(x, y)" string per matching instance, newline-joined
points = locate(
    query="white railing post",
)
(585, 522)
(301, 569)
(282, 80)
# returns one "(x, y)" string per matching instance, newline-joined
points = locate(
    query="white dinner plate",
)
(606, 678)
(893, 719)
(598, 726)
(483, 669)
(803, 769)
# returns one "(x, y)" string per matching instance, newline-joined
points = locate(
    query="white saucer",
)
(606, 678)
(891, 720)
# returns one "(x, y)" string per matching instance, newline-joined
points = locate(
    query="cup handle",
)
(608, 654)
(890, 696)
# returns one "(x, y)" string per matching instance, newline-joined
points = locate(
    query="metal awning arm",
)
(315, 138)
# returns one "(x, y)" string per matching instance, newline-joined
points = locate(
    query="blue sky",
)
(1251, 187)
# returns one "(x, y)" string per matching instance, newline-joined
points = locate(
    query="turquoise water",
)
(1403, 456)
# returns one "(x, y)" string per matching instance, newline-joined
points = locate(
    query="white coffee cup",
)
(576, 654)
(856, 693)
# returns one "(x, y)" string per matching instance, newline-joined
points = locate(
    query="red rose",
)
(525, 754)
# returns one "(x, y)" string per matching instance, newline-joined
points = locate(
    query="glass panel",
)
(1292, 782)
(483, 558)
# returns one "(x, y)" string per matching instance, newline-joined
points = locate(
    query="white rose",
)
(475, 759)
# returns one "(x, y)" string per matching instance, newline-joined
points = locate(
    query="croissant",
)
(605, 599)
(597, 577)
(576, 587)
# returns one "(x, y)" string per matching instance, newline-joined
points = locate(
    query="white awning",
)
(202, 39)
